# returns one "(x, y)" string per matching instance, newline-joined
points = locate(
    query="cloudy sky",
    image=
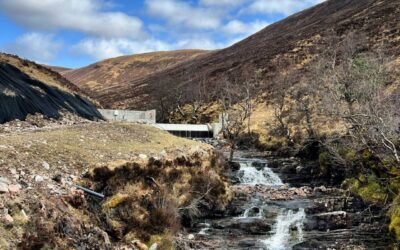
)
(74, 33)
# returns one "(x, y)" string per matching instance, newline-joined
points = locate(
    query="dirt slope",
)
(297, 39)
(118, 72)
(27, 88)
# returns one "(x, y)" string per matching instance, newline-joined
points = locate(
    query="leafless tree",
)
(356, 91)
(236, 102)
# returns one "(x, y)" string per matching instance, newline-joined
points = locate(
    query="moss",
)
(350, 155)
(323, 163)
(369, 190)
(394, 215)
(114, 201)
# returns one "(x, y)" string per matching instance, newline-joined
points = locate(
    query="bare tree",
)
(356, 87)
(236, 102)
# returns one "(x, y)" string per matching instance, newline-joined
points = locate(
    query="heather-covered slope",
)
(20, 95)
(118, 72)
(297, 41)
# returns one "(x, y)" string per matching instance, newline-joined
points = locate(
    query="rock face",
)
(21, 95)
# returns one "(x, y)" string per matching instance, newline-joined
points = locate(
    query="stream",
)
(272, 209)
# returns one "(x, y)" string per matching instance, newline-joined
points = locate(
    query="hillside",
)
(297, 41)
(57, 69)
(29, 88)
(117, 73)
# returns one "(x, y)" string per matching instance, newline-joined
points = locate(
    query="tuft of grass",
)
(114, 201)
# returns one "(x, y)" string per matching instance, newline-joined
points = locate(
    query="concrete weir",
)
(149, 117)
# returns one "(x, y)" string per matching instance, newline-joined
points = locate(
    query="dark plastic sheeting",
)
(31, 96)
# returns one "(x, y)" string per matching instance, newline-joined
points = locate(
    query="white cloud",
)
(177, 12)
(35, 46)
(80, 15)
(107, 48)
(236, 27)
(285, 7)
(221, 2)
(199, 43)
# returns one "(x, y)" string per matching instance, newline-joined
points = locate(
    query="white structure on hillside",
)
(149, 117)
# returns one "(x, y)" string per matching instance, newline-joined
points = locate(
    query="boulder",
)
(3, 188)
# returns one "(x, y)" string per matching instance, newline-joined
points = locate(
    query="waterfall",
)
(250, 213)
(251, 176)
(282, 237)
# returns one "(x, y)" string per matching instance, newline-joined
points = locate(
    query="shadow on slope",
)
(21, 95)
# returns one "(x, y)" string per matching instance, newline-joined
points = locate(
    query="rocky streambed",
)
(274, 208)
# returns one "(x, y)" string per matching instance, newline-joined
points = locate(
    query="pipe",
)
(101, 196)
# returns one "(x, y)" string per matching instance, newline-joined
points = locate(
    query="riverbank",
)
(268, 212)
(148, 177)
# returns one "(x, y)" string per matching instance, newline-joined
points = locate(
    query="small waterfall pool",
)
(250, 175)
(286, 224)
(283, 236)
(267, 214)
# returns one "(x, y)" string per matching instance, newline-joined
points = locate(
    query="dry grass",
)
(86, 145)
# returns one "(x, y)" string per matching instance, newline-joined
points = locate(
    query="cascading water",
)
(253, 212)
(249, 175)
(282, 236)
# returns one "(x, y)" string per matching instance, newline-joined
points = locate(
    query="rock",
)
(253, 226)
(246, 243)
(139, 245)
(190, 237)
(46, 165)
(57, 178)
(154, 246)
(24, 217)
(3, 188)
(258, 165)
(142, 156)
(234, 165)
(13, 171)
(14, 189)
(38, 178)
(321, 189)
(4, 180)
(8, 219)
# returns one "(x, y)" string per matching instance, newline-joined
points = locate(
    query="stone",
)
(13, 171)
(38, 178)
(57, 178)
(24, 217)
(190, 237)
(3, 188)
(14, 189)
(154, 246)
(8, 219)
(142, 156)
(4, 180)
(46, 165)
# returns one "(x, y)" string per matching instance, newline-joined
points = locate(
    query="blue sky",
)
(75, 33)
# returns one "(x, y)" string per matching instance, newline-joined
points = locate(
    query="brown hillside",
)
(118, 72)
(57, 69)
(27, 88)
(298, 39)
(40, 73)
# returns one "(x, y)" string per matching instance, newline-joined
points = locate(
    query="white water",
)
(252, 176)
(282, 236)
(247, 212)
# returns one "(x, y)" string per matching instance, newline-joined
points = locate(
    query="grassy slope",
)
(72, 150)
(87, 145)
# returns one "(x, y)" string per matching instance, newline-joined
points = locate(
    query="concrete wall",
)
(148, 117)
